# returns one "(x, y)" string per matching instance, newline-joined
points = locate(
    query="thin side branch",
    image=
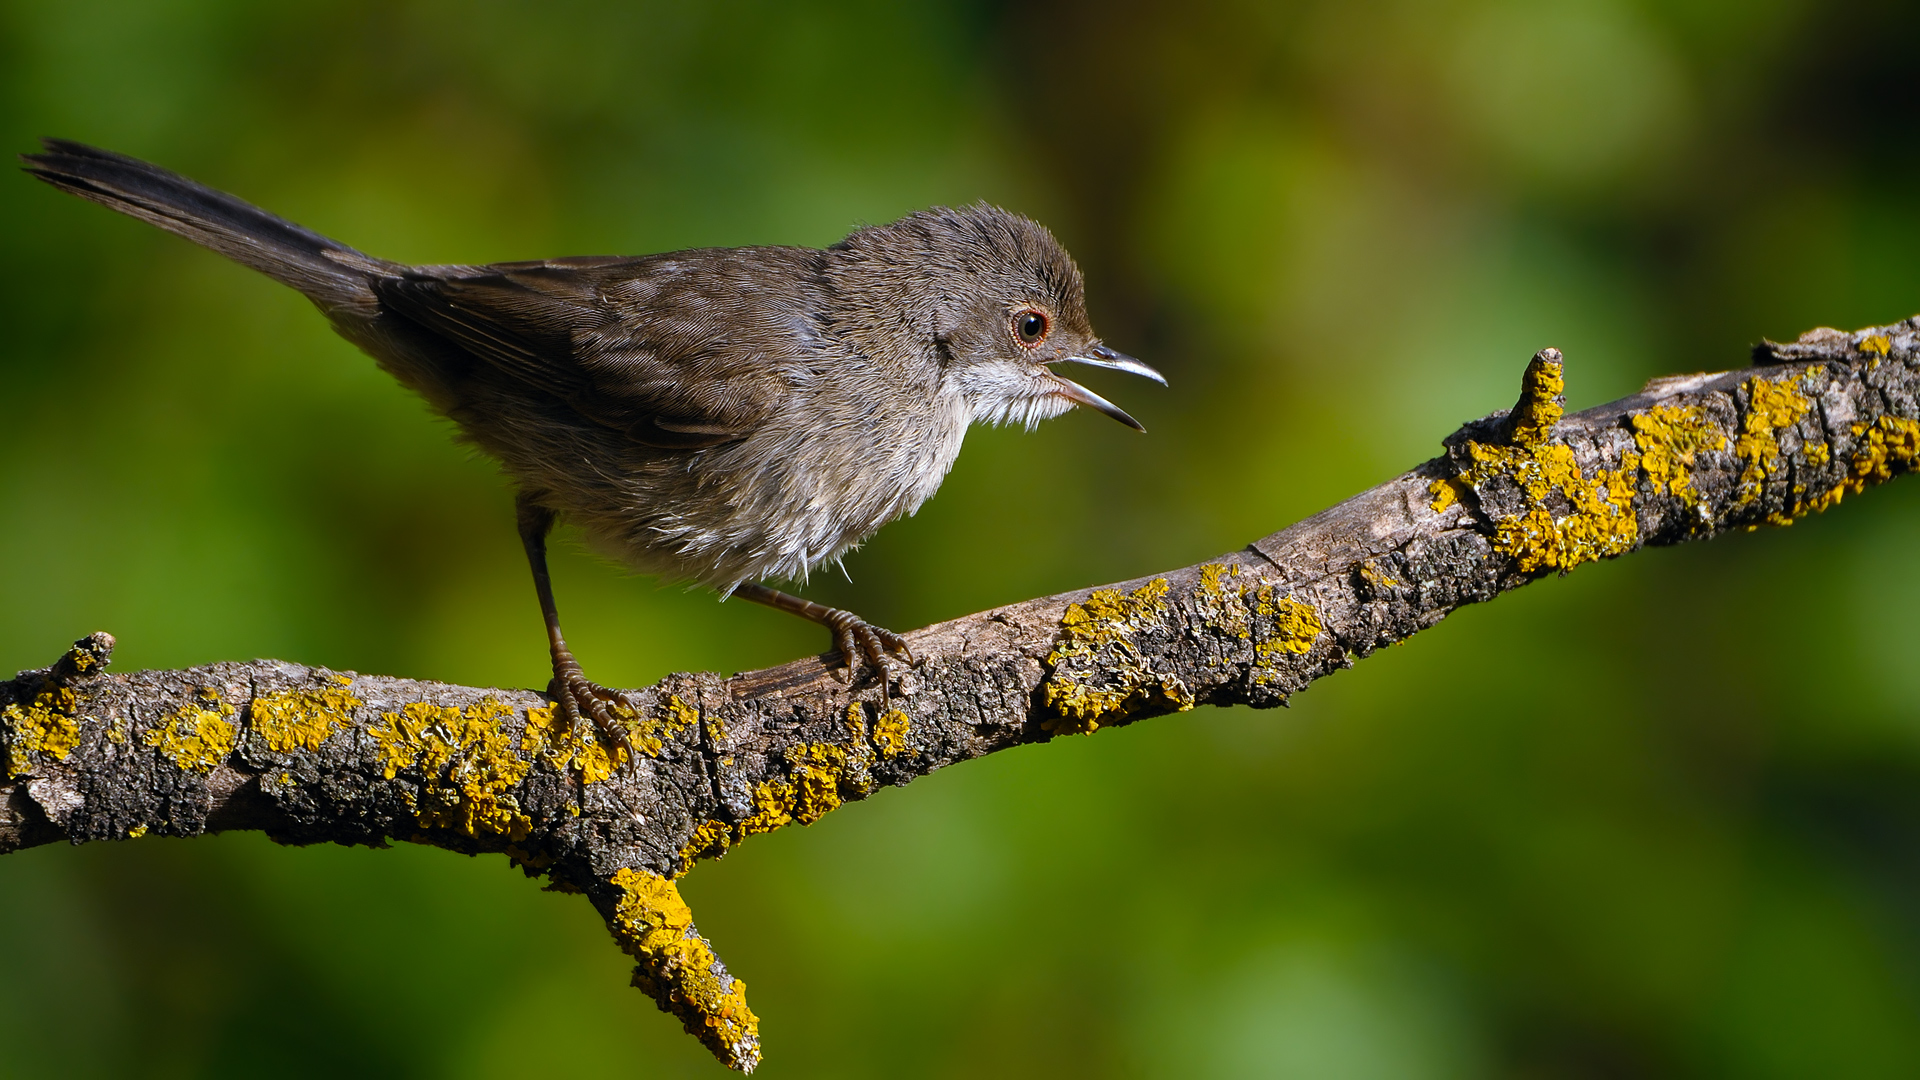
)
(309, 755)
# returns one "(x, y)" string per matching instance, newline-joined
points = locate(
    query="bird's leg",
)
(570, 689)
(852, 635)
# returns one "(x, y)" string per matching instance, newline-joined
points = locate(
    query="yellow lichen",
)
(820, 777)
(1669, 436)
(1376, 578)
(710, 840)
(1097, 635)
(1598, 518)
(676, 967)
(1890, 444)
(1566, 518)
(1288, 627)
(45, 729)
(1539, 409)
(1877, 344)
(816, 780)
(651, 735)
(597, 761)
(1772, 405)
(197, 736)
(1108, 616)
(136, 832)
(890, 733)
(397, 737)
(1295, 624)
(587, 751)
(468, 764)
(1445, 492)
(1276, 625)
(772, 809)
(545, 741)
(1218, 600)
(303, 719)
(1887, 445)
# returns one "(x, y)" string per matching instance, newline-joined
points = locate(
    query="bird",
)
(724, 417)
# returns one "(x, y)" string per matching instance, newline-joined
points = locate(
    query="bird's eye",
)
(1031, 327)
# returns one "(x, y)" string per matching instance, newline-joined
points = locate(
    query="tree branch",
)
(310, 755)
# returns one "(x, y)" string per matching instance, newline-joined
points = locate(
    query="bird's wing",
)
(677, 350)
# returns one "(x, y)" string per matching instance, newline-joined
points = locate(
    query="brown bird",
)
(724, 415)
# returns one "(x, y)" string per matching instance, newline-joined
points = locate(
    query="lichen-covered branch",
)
(311, 755)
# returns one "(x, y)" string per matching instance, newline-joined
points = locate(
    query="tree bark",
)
(310, 755)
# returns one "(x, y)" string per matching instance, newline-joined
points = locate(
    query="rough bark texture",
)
(311, 755)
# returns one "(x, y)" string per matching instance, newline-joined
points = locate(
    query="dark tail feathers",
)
(331, 274)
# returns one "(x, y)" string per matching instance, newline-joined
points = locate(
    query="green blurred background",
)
(1660, 818)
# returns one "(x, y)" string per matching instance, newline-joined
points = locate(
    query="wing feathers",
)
(649, 346)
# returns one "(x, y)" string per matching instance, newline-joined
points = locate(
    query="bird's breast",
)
(842, 470)
(849, 448)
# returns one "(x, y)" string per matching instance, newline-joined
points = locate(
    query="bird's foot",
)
(581, 698)
(855, 637)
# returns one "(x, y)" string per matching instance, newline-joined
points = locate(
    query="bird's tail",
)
(331, 274)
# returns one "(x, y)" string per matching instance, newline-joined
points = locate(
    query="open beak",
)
(1080, 395)
(1103, 357)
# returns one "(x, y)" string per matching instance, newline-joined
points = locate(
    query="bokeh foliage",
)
(1661, 817)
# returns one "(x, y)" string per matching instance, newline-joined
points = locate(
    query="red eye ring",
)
(1031, 326)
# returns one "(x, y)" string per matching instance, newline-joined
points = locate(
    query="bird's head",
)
(1006, 306)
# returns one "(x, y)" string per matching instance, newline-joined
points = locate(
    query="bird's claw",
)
(856, 638)
(581, 698)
